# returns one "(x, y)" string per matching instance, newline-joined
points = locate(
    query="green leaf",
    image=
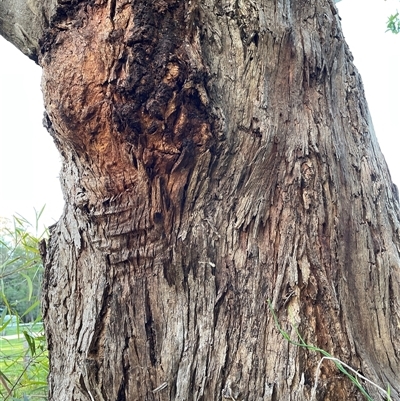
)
(31, 308)
(30, 285)
(393, 23)
(31, 342)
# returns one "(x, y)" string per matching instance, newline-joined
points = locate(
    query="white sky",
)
(29, 162)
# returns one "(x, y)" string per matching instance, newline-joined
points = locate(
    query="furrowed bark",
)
(216, 155)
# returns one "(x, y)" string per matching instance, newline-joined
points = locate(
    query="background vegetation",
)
(393, 23)
(23, 354)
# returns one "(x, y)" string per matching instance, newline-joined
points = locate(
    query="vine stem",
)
(338, 361)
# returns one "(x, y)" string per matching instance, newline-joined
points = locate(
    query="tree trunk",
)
(216, 155)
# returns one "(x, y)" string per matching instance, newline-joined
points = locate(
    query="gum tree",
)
(217, 154)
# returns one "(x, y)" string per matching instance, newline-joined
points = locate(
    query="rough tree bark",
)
(216, 154)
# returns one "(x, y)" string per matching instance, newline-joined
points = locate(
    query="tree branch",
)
(23, 22)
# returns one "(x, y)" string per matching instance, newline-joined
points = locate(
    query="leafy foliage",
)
(393, 23)
(21, 269)
(23, 350)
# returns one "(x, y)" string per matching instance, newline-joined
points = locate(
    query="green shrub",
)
(23, 350)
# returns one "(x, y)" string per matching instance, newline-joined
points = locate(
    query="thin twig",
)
(4, 383)
(161, 387)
